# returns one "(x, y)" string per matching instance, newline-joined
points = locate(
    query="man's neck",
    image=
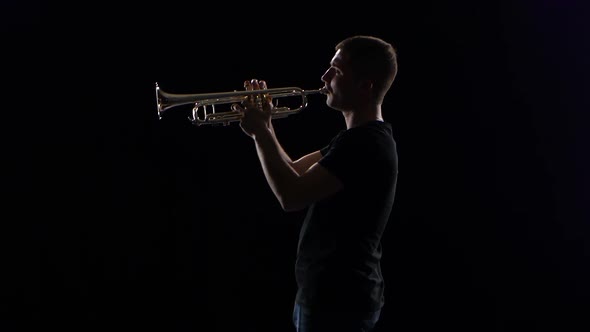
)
(360, 117)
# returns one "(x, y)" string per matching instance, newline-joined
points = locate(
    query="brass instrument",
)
(201, 115)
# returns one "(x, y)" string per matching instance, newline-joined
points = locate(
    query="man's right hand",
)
(256, 109)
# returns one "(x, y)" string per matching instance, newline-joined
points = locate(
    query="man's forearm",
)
(282, 151)
(276, 165)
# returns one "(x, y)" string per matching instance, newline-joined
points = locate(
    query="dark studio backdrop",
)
(114, 219)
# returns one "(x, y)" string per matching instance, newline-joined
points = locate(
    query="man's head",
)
(369, 60)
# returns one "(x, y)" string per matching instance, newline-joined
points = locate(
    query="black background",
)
(114, 219)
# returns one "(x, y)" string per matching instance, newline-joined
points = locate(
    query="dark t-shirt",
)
(339, 249)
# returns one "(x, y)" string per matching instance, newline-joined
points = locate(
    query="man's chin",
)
(330, 101)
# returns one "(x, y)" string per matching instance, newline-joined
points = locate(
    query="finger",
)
(255, 99)
(267, 98)
(254, 83)
(249, 99)
(237, 108)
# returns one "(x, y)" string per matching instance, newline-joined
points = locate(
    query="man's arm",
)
(295, 184)
(302, 164)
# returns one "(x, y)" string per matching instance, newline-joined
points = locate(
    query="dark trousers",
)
(306, 320)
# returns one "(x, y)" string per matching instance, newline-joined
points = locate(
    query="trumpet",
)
(203, 111)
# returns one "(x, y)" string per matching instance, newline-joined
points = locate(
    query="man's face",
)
(339, 81)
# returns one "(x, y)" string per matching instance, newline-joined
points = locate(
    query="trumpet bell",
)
(204, 111)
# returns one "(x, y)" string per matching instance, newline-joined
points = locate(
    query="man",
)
(348, 188)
